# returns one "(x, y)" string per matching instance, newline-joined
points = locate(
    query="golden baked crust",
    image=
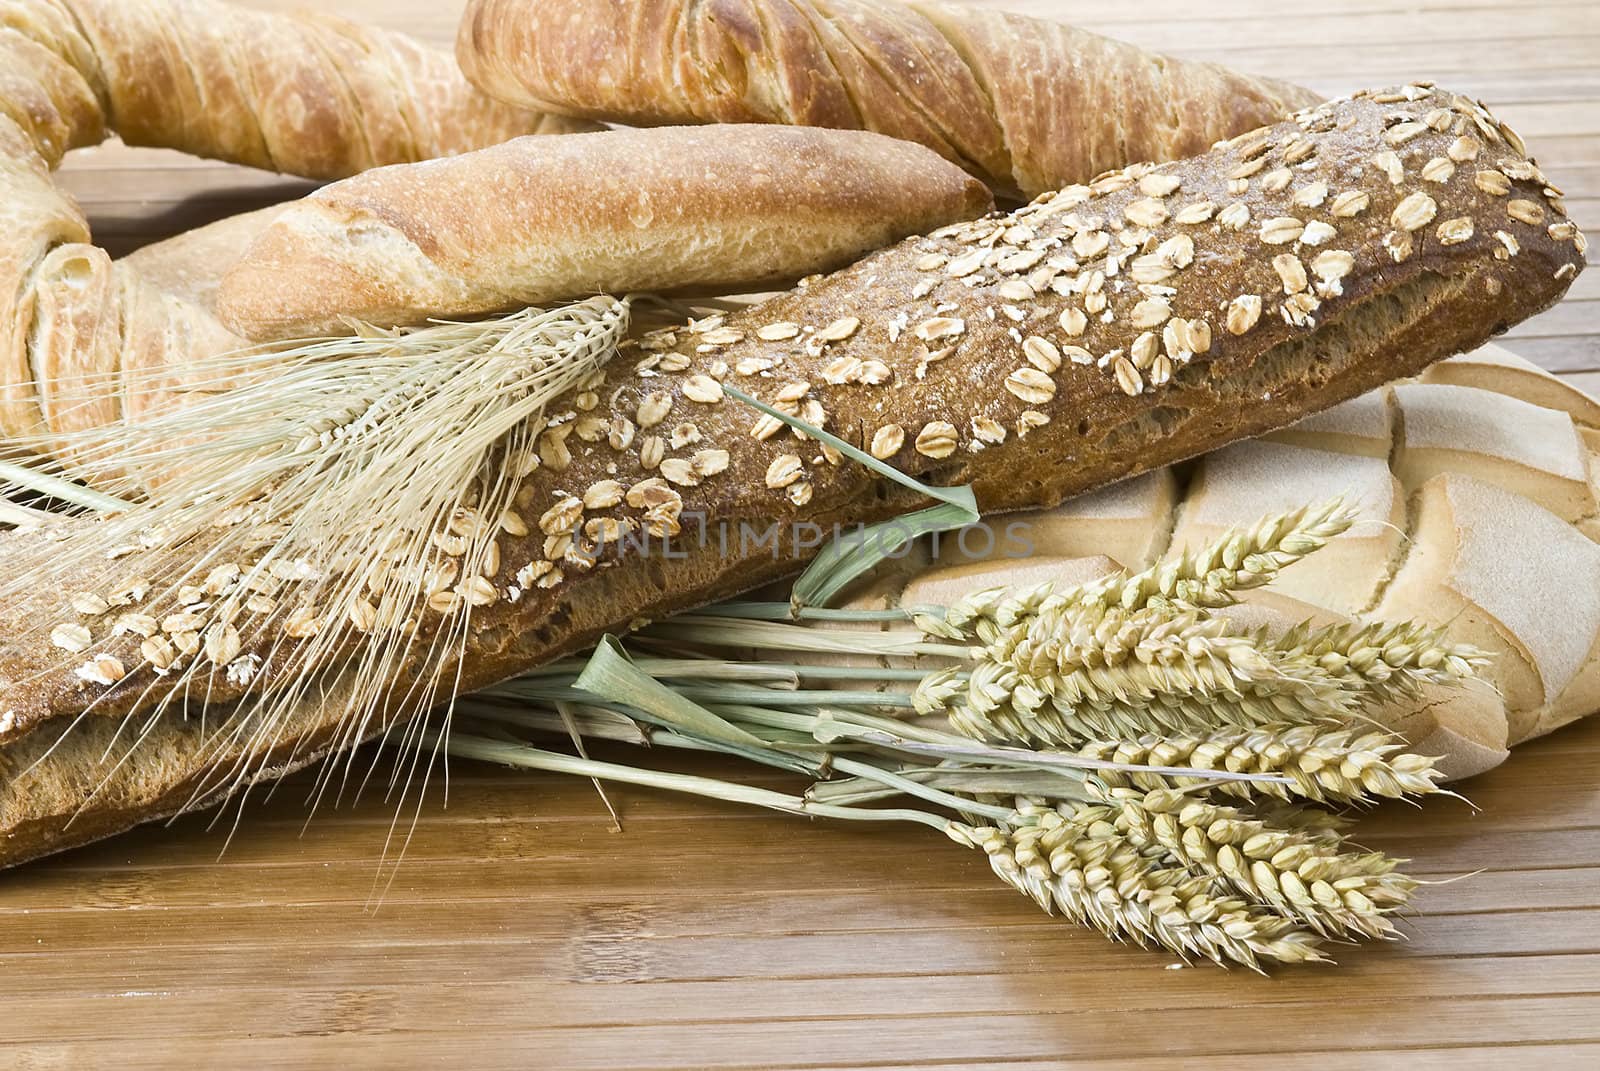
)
(1026, 104)
(1166, 312)
(714, 209)
(304, 94)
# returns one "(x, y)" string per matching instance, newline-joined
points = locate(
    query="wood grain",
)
(520, 931)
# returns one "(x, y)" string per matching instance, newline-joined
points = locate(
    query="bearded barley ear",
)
(1066, 862)
(1309, 879)
(1323, 765)
(368, 479)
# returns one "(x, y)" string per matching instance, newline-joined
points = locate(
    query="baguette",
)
(717, 209)
(1026, 104)
(990, 353)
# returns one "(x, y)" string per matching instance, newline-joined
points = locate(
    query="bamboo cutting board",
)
(521, 931)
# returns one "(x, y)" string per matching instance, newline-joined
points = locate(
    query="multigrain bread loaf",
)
(717, 209)
(1448, 473)
(1028, 105)
(1094, 335)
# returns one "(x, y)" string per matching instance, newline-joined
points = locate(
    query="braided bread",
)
(306, 94)
(1026, 104)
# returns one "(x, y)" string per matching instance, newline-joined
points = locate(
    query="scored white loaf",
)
(1476, 501)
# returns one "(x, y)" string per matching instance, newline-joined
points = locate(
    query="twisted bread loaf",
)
(302, 94)
(308, 95)
(1026, 104)
(1093, 335)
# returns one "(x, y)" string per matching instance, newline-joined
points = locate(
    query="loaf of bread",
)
(1482, 453)
(1094, 335)
(305, 94)
(718, 209)
(1026, 104)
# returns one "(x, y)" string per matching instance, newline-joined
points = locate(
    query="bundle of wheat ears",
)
(1122, 753)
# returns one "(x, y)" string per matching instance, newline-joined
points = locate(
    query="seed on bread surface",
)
(937, 439)
(887, 440)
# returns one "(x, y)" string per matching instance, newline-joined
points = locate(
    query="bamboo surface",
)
(521, 931)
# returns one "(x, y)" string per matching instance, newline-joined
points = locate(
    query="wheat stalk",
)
(1321, 765)
(1381, 658)
(1144, 653)
(1208, 577)
(1309, 878)
(1066, 861)
(1241, 560)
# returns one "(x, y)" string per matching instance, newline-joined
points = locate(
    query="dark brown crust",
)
(1027, 104)
(1397, 308)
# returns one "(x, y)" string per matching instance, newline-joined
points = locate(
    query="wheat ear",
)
(1063, 861)
(1242, 560)
(1307, 878)
(1207, 577)
(1323, 765)
(1144, 653)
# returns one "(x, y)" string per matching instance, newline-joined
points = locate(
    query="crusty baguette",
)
(939, 354)
(717, 209)
(1024, 103)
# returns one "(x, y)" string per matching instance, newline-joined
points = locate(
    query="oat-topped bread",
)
(1027, 104)
(1097, 333)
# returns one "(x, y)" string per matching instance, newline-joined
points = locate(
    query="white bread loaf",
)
(1476, 501)
(714, 209)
